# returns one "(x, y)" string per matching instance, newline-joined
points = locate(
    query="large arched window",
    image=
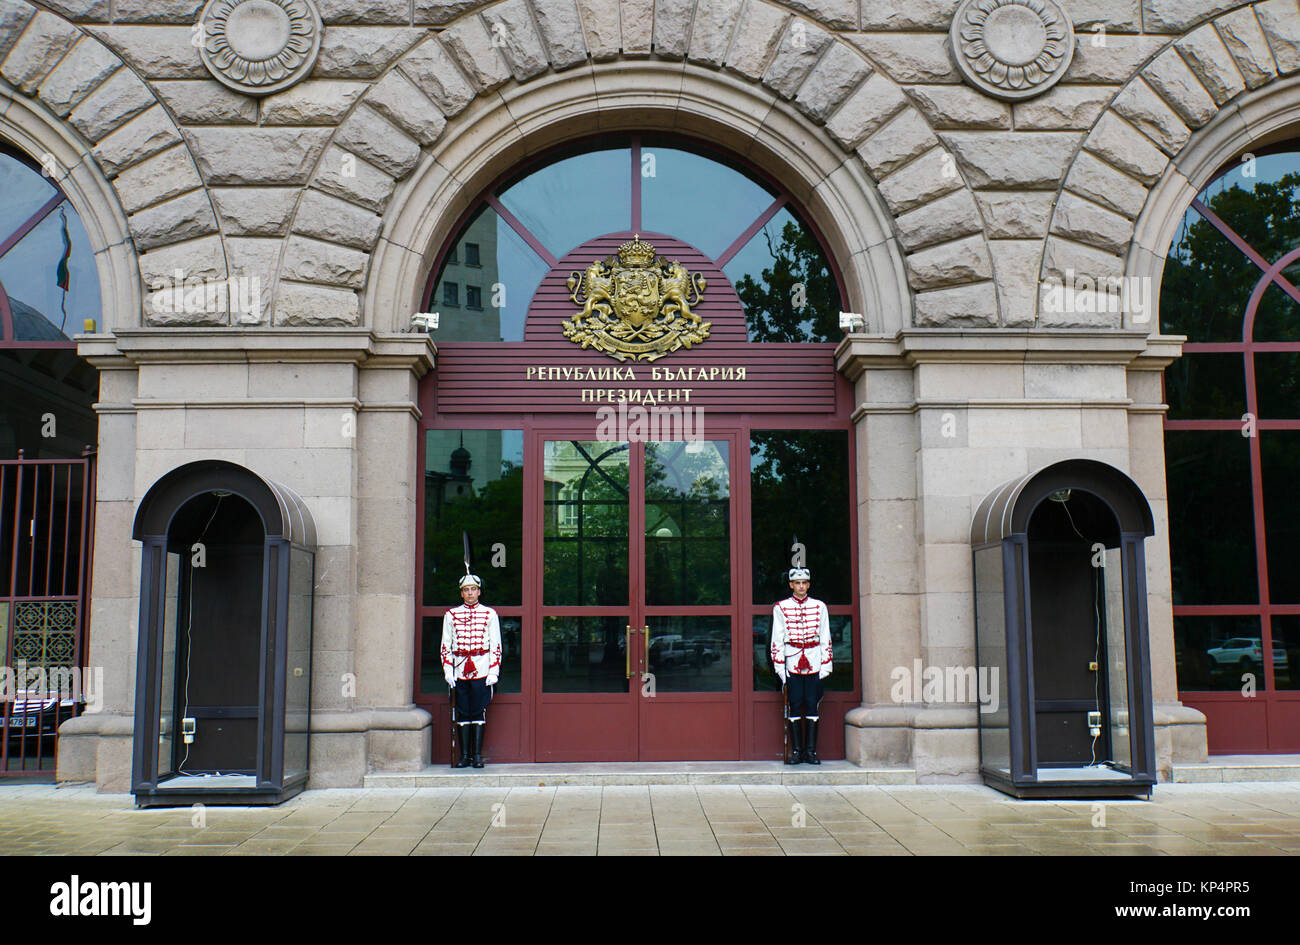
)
(1232, 449)
(525, 224)
(48, 282)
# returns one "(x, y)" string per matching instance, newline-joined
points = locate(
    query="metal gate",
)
(46, 524)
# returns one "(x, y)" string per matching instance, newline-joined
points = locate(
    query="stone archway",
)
(890, 196)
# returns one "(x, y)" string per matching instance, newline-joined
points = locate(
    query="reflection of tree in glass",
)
(799, 486)
(770, 311)
(687, 525)
(491, 514)
(1208, 281)
(585, 561)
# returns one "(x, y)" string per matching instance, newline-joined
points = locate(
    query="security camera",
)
(851, 321)
(424, 321)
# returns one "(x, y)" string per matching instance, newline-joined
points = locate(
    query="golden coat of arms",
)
(637, 305)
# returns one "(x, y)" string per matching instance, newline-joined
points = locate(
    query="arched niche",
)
(1061, 634)
(224, 655)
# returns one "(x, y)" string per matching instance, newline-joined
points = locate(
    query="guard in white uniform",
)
(801, 655)
(471, 663)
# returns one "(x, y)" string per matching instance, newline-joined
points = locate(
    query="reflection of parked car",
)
(673, 650)
(1245, 653)
(34, 718)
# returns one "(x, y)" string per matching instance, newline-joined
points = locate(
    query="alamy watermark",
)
(24, 683)
(1079, 293)
(634, 423)
(236, 295)
(945, 684)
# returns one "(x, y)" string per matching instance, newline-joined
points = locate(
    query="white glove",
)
(492, 679)
(823, 674)
(451, 680)
(780, 672)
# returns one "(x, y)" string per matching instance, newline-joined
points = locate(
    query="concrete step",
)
(1234, 768)
(640, 772)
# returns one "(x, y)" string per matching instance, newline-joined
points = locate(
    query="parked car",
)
(1244, 653)
(34, 717)
(674, 650)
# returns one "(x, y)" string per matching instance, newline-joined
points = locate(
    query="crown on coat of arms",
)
(636, 253)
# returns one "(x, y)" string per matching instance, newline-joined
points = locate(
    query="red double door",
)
(641, 649)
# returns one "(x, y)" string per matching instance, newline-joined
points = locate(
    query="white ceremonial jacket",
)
(801, 638)
(471, 644)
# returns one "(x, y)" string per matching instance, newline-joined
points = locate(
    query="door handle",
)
(627, 651)
(645, 657)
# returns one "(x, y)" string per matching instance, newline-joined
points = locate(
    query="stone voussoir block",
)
(253, 156)
(758, 32)
(903, 138)
(255, 211)
(1063, 108)
(434, 72)
(561, 28)
(711, 29)
(14, 17)
(1116, 141)
(950, 217)
(909, 58)
(119, 99)
(348, 176)
(472, 48)
(140, 138)
(836, 74)
(926, 178)
(157, 52)
(362, 52)
(510, 25)
(636, 19)
(397, 99)
(954, 263)
(38, 50)
(958, 106)
(79, 73)
(324, 263)
(182, 218)
(1102, 183)
(672, 27)
(1244, 39)
(160, 177)
(300, 304)
(442, 12)
(371, 12)
(326, 217)
(1005, 159)
(372, 136)
(600, 27)
(1207, 56)
(1280, 21)
(1086, 222)
(973, 306)
(157, 11)
(314, 102)
(1174, 80)
(796, 54)
(1175, 16)
(1150, 114)
(199, 102)
(873, 103)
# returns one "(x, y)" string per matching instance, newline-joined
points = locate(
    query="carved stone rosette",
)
(260, 46)
(1012, 49)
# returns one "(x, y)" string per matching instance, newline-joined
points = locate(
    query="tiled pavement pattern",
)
(663, 819)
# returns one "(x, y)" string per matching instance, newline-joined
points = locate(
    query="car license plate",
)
(20, 721)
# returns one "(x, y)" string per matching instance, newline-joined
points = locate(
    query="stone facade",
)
(947, 209)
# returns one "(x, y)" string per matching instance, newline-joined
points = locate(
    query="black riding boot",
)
(463, 737)
(810, 742)
(477, 741)
(796, 742)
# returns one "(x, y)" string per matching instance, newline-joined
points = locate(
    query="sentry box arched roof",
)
(283, 512)
(1006, 510)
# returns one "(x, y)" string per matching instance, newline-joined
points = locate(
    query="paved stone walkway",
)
(1259, 818)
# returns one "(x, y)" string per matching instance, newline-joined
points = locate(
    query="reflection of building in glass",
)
(467, 314)
(453, 460)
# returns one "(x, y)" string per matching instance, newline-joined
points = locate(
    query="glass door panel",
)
(690, 654)
(585, 521)
(585, 654)
(688, 523)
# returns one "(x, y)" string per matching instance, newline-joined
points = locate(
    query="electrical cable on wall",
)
(1098, 579)
(189, 631)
